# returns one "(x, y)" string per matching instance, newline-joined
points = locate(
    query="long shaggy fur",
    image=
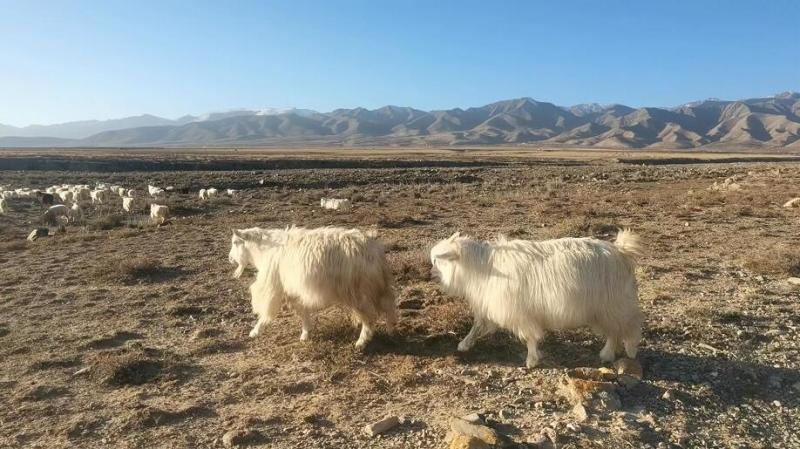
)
(530, 287)
(312, 269)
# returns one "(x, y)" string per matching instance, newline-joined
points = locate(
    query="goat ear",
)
(455, 235)
(238, 234)
(450, 255)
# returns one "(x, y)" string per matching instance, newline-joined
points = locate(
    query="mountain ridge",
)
(769, 122)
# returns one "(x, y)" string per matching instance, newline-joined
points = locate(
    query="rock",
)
(794, 202)
(579, 412)
(628, 366)
(474, 418)
(381, 426)
(468, 442)
(668, 395)
(82, 371)
(484, 433)
(628, 381)
(239, 437)
(38, 232)
(506, 414)
(586, 386)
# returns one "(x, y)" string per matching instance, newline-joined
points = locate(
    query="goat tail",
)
(629, 244)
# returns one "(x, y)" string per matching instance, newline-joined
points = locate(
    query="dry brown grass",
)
(130, 270)
(780, 260)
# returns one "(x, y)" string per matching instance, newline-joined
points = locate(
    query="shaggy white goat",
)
(529, 287)
(128, 203)
(312, 269)
(54, 213)
(211, 192)
(75, 213)
(335, 203)
(3, 206)
(203, 194)
(159, 213)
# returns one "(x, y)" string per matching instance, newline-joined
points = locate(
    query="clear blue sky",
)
(69, 60)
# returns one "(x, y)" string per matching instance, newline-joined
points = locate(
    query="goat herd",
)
(65, 203)
(524, 287)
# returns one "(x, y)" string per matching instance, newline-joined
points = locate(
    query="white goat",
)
(3, 206)
(159, 213)
(128, 203)
(232, 192)
(211, 192)
(55, 213)
(529, 287)
(342, 204)
(75, 213)
(203, 195)
(313, 269)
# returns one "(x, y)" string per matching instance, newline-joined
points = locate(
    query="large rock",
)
(465, 428)
(381, 426)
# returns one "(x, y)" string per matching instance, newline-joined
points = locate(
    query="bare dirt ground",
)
(121, 334)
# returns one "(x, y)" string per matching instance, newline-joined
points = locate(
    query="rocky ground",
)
(117, 333)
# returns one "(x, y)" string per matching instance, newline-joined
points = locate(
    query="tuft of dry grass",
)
(106, 222)
(138, 269)
(779, 260)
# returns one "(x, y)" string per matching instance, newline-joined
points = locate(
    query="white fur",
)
(529, 287)
(159, 213)
(313, 269)
(75, 213)
(55, 213)
(211, 192)
(203, 195)
(128, 203)
(3, 206)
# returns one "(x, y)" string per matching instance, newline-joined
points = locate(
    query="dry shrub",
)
(106, 222)
(780, 260)
(581, 227)
(132, 366)
(412, 266)
(130, 270)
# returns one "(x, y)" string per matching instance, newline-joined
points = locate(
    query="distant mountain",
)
(771, 122)
(86, 128)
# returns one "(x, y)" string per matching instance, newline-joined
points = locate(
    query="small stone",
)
(793, 281)
(776, 403)
(668, 395)
(237, 437)
(474, 418)
(381, 426)
(794, 202)
(573, 427)
(82, 371)
(629, 366)
(506, 414)
(628, 381)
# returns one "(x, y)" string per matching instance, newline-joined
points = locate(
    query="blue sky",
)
(70, 60)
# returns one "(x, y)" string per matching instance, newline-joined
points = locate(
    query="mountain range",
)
(770, 122)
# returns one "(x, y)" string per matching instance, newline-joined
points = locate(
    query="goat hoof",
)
(253, 333)
(463, 347)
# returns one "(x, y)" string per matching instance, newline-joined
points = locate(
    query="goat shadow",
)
(730, 382)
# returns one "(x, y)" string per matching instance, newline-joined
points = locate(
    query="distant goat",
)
(335, 203)
(159, 213)
(531, 287)
(3, 206)
(313, 269)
